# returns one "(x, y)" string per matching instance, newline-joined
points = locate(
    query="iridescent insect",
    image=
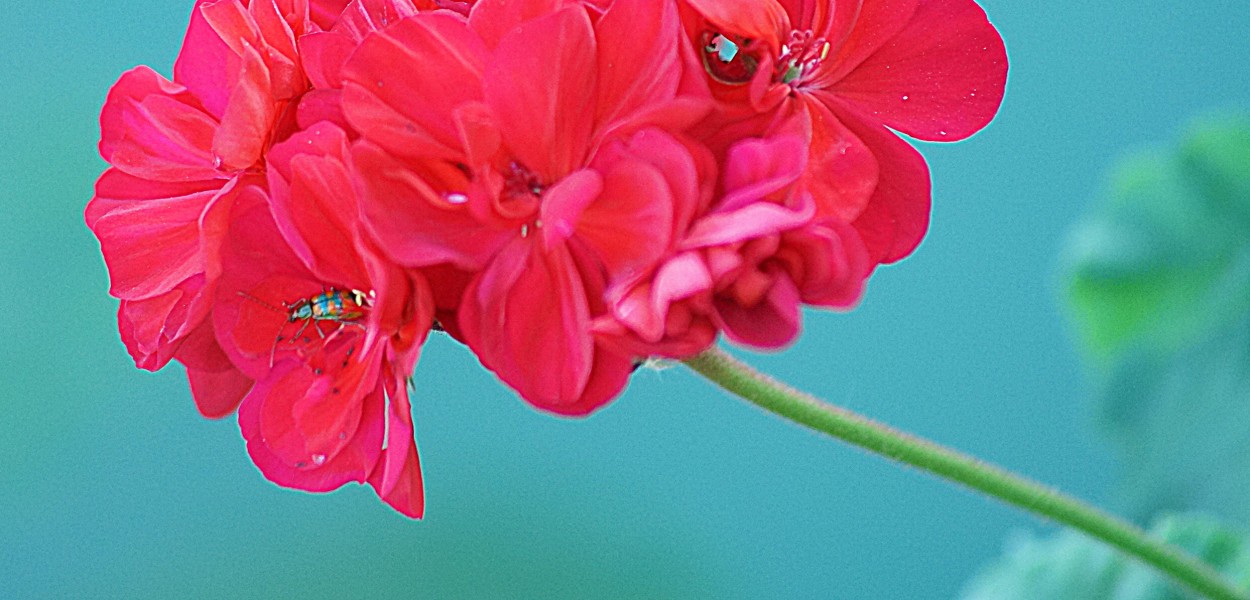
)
(345, 307)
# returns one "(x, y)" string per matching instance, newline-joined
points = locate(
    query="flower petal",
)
(353, 462)
(527, 319)
(217, 394)
(154, 129)
(940, 79)
(897, 216)
(397, 476)
(402, 83)
(537, 82)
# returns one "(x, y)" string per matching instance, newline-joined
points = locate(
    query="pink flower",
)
(746, 266)
(932, 69)
(327, 329)
(506, 145)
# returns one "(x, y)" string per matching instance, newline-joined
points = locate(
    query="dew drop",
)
(319, 459)
(455, 198)
(906, 98)
(941, 133)
(217, 162)
(342, 435)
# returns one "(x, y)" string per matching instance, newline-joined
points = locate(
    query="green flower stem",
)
(804, 409)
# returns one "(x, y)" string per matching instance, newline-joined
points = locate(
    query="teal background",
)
(111, 485)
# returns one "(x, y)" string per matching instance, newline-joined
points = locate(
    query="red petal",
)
(772, 323)
(630, 80)
(204, 64)
(401, 84)
(150, 244)
(861, 27)
(536, 85)
(759, 19)
(493, 19)
(526, 317)
(630, 223)
(217, 394)
(397, 476)
(414, 222)
(314, 202)
(897, 216)
(250, 116)
(939, 79)
(323, 55)
(841, 171)
(353, 462)
(153, 129)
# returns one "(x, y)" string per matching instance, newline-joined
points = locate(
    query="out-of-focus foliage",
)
(1160, 290)
(1072, 566)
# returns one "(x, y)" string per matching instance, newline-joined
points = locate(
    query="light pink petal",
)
(751, 221)
(645, 307)
(537, 85)
(940, 79)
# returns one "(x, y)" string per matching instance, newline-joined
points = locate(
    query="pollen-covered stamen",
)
(801, 57)
(728, 58)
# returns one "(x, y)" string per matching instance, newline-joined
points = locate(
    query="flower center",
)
(733, 59)
(521, 183)
(800, 58)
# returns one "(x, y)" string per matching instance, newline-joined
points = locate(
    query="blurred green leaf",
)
(1072, 566)
(1159, 285)
(1166, 261)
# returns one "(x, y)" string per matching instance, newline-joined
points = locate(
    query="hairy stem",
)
(804, 409)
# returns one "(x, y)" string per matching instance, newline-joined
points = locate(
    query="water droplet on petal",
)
(319, 459)
(217, 161)
(456, 198)
(941, 133)
(906, 98)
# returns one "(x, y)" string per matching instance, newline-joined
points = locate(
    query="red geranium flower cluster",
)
(565, 186)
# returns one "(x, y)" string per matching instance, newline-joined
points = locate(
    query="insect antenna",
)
(284, 311)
